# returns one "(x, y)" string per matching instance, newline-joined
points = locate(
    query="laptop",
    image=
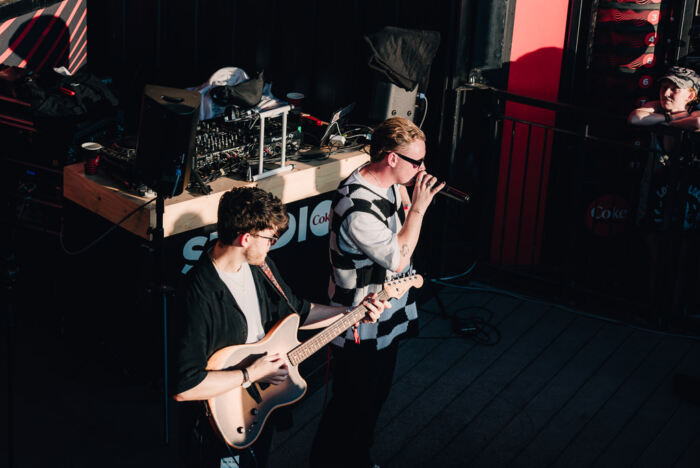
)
(333, 127)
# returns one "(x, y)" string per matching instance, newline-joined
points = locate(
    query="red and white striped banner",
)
(49, 37)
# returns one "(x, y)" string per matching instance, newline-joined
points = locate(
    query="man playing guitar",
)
(231, 297)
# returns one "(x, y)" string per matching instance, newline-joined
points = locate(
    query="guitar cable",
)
(101, 236)
(233, 456)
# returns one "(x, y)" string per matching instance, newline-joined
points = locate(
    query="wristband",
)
(246, 378)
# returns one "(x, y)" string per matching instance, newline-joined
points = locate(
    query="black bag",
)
(59, 96)
(245, 94)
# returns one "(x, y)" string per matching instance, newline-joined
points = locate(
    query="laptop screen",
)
(337, 115)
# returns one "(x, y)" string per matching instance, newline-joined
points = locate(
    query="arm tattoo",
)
(404, 250)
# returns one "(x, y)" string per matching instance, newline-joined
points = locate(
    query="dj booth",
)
(189, 219)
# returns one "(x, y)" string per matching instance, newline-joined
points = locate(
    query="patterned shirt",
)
(364, 250)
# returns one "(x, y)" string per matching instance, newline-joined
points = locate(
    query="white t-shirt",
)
(242, 287)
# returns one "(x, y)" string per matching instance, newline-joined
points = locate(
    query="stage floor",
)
(559, 389)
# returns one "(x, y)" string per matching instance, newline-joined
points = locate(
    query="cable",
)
(178, 173)
(425, 111)
(102, 236)
(233, 457)
(490, 289)
(367, 127)
(328, 131)
(472, 327)
(469, 270)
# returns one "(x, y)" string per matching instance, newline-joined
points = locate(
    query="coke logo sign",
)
(300, 223)
(607, 215)
(317, 223)
(320, 219)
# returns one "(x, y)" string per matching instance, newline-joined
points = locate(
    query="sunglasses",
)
(415, 162)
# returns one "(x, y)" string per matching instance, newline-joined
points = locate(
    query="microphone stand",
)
(163, 290)
(11, 270)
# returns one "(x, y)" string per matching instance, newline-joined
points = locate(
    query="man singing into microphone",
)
(375, 227)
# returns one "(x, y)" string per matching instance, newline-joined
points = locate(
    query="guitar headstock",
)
(397, 287)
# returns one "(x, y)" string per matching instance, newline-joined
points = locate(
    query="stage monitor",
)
(166, 138)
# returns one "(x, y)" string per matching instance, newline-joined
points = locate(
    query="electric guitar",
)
(240, 413)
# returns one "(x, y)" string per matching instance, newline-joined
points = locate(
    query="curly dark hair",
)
(249, 209)
(392, 133)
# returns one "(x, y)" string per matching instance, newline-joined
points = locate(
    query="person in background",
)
(669, 201)
(678, 96)
(234, 295)
(669, 207)
(375, 227)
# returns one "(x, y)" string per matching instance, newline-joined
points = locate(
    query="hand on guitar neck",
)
(374, 307)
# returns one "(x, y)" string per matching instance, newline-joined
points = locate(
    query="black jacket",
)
(210, 318)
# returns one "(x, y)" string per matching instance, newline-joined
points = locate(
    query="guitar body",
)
(241, 413)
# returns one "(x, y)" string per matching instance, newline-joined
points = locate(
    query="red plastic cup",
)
(91, 156)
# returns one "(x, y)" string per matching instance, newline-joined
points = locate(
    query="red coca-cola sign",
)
(608, 215)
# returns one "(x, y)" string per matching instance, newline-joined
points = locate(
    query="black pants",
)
(205, 449)
(361, 382)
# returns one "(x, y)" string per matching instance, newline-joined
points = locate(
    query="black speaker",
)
(389, 100)
(166, 138)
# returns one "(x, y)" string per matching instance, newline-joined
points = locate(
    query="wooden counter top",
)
(191, 211)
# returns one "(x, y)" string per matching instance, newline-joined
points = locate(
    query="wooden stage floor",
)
(559, 389)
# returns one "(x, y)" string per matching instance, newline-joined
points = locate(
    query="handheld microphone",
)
(454, 194)
(447, 191)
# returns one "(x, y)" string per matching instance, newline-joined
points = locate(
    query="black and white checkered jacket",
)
(353, 275)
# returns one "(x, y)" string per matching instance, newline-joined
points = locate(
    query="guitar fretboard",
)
(304, 350)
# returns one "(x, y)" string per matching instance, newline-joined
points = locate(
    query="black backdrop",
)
(314, 47)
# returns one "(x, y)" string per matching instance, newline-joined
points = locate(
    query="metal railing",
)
(580, 199)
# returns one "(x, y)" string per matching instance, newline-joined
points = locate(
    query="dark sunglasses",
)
(415, 162)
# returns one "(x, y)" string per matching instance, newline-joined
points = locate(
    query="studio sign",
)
(299, 225)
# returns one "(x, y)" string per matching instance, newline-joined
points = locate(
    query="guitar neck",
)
(305, 350)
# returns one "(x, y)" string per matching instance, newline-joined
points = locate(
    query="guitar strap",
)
(266, 269)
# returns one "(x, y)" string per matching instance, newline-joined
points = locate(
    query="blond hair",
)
(392, 133)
